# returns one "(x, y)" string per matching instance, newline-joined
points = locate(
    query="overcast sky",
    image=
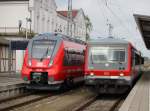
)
(120, 15)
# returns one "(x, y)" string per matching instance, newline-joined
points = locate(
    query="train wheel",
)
(69, 82)
(67, 85)
(63, 87)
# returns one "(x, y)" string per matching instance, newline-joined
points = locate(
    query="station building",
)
(39, 16)
(35, 16)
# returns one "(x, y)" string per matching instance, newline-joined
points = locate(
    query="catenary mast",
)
(70, 19)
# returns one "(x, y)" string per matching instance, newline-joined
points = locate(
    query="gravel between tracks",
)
(103, 104)
(62, 102)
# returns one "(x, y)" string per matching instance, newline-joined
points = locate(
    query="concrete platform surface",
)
(11, 86)
(139, 97)
(10, 83)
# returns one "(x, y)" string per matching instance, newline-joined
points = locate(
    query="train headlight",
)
(51, 63)
(29, 63)
(121, 74)
(91, 74)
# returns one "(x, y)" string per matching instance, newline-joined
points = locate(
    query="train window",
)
(107, 54)
(136, 58)
(117, 55)
(42, 48)
(66, 58)
(73, 58)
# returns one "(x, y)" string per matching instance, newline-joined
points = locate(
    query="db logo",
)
(39, 64)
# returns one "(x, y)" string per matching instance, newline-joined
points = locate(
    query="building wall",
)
(11, 13)
(44, 16)
(78, 25)
(61, 25)
(19, 54)
(4, 59)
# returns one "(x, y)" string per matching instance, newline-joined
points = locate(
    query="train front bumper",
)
(50, 86)
(109, 80)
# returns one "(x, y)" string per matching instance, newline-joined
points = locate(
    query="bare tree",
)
(89, 27)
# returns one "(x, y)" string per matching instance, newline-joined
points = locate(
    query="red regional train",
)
(53, 61)
(111, 65)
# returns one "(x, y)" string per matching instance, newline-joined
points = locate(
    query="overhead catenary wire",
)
(101, 9)
(112, 12)
(106, 18)
(125, 14)
(122, 11)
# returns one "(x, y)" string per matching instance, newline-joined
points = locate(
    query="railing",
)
(15, 31)
(11, 29)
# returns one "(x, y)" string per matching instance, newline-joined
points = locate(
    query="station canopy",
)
(143, 23)
(19, 44)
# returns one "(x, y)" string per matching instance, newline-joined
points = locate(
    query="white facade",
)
(41, 12)
(78, 25)
(10, 14)
(44, 16)
(61, 25)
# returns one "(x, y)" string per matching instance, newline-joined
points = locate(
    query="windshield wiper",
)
(46, 52)
(91, 59)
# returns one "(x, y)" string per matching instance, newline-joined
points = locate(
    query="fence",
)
(12, 30)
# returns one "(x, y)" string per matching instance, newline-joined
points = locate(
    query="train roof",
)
(109, 40)
(57, 36)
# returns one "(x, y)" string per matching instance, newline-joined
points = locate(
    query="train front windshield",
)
(42, 48)
(107, 54)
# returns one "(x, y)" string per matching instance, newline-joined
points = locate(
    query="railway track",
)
(78, 99)
(101, 103)
(31, 99)
(12, 103)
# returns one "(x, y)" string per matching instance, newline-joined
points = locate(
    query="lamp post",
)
(27, 20)
(69, 16)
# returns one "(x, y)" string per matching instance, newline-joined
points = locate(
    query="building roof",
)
(64, 13)
(143, 23)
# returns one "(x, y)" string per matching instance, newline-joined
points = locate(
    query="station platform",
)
(139, 97)
(11, 85)
(8, 82)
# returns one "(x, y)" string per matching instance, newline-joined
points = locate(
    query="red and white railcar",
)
(111, 65)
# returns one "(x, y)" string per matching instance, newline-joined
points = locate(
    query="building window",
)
(64, 29)
(60, 28)
(41, 3)
(52, 28)
(48, 24)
